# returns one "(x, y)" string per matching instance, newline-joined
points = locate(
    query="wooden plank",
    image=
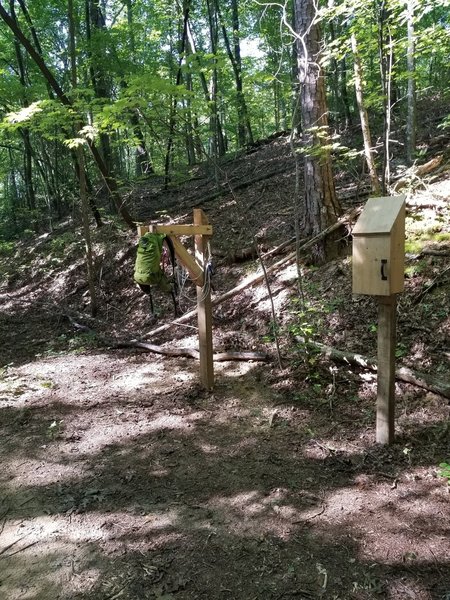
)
(182, 229)
(195, 272)
(204, 309)
(387, 309)
(141, 229)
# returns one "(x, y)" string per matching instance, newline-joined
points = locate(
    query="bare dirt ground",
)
(122, 478)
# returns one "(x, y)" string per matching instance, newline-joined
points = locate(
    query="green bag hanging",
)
(147, 268)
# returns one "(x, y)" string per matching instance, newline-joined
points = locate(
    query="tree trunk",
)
(411, 93)
(385, 48)
(217, 144)
(143, 162)
(24, 131)
(364, 118)
(82, 174)
(344, 93)
(245, 135)
(56, 200)
(95, 23)
(321, 205)
(189, 128)
(388, 118)
(192, 49)
(173, 103)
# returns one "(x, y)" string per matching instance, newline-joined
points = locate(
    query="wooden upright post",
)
(204, 308)
(387, 309)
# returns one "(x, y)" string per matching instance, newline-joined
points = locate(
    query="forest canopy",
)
(151, 89)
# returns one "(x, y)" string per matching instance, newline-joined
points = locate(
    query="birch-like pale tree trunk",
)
(364, 117)
(411, 92)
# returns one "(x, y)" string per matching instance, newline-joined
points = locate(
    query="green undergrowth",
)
(71, 344)
(30, 257)
(445, 470)
(418, 240)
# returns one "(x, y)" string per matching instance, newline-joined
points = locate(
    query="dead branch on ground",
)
(192, 352)
(422, 380)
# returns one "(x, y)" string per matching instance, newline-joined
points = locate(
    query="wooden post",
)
(387, 309)
(204, 308)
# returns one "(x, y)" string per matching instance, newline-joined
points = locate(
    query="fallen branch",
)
(422, 380)
(416, 172)
(3, 556)
(192, 352)
(286, 260)
(429, 252)
(431, 286)
(227, 188)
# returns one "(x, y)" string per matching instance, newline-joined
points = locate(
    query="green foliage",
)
(61, 244)
(401, 350)
(273, 331)
(7, 248)
(418, 240)
(76, 344)
(445, 471)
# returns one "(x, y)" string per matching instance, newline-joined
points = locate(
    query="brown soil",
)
(122, 478)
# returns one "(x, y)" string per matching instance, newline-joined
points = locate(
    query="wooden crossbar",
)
(176, 229)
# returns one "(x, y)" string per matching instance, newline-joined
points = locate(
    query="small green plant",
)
(82, 342)
(60, 244)
(274, 330)
(47, 384)
(445, 470)
(416, 269)
(55, 429)
(401, 350)
(7, 248)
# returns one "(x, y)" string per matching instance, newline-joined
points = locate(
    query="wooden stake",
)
(387, 308)
(204, 307)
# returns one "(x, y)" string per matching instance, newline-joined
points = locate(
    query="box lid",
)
(379, 215)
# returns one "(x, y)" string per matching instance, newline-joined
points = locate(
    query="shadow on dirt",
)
(195, 496)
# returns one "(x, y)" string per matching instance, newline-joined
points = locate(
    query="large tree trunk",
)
(173, 106)
(321, 205)
(386, 53)
(143, 161)
(217, 142)
(82, 170)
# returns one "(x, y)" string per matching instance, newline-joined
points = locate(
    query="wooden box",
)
(379, 247)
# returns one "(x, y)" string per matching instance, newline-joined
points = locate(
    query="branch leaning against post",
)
(348, 217)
